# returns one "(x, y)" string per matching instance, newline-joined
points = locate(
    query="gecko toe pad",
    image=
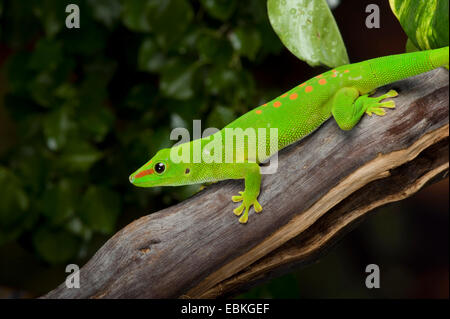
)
(374, 106)
(243, 209)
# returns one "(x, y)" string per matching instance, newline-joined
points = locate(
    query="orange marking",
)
(293, 96)
(319, 76)
(265, 104)
(346, 71)
(322, 81)
(284, 95)
(303, 84)
(144, 173)
(258, 111)
(334, 75)
(148, 164)
(308, 89)
(277, 104)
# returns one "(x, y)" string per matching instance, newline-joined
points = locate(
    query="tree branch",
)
(324, 184)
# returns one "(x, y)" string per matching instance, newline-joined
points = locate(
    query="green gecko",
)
(342, 93)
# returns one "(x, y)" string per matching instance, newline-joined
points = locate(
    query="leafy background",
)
(82, 108)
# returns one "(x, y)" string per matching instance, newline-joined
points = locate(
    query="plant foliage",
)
(90, 105)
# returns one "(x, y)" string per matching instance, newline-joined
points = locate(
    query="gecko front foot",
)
(247, 202)
(374, 106)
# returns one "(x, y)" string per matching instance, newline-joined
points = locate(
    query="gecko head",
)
(159, 171)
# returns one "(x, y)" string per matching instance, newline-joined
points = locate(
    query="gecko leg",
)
(250, 194)
(348, 106)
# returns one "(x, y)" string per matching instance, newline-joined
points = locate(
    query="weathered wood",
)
(430, 166)
(324, 183)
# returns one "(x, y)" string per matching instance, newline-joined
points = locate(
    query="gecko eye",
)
(160, 168)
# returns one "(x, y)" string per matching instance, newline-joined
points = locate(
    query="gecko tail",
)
(439, 57)
(393, 68)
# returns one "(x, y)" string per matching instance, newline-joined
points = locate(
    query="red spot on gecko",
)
(308, 89)
(144, 173)
(303, 84)
(334, 75)
(322, 81)
(277, 104)
(319, 76)
(284, 95)
(293, 96)
(258, 111)
(346, 71)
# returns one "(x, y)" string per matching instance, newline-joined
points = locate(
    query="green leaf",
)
(58, 201)
(230, 84)
(20, 26)
(307, 28)
(45, 85)
(220, 79)
(76, 226)
(14, 201)
(41, 88)
(169, 19)
(160, 139)
(56, 246)
(135, 15)
(52, 14)
(188, 43)
(141, 97)
(33, 167)
(253, 10)
(99, 209)
(246, 41)
(425, 22)
(213, 48)
(106, 11)
(98, 74)
(150, 56)
(47, 54)
(29, 122)
(57, 127)
(219, 9)
(177, 79)
(79, 156)
(88, 40)
(177, 121)
(410, 47)
(18, 72)
(219, 117)
(97, 122)
(270, 43)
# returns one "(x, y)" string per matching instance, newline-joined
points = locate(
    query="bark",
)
(324, 185)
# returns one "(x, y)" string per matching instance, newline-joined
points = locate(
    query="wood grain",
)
(323, 184)
(430, 166)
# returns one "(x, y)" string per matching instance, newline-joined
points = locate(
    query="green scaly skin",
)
(342, 93)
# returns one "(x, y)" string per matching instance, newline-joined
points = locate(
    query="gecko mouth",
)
(138, 183)
(134, 177)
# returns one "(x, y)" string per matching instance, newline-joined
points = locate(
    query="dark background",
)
(80, 109)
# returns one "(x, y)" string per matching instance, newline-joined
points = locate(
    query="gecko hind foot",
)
(377, 107)
(245, 206)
